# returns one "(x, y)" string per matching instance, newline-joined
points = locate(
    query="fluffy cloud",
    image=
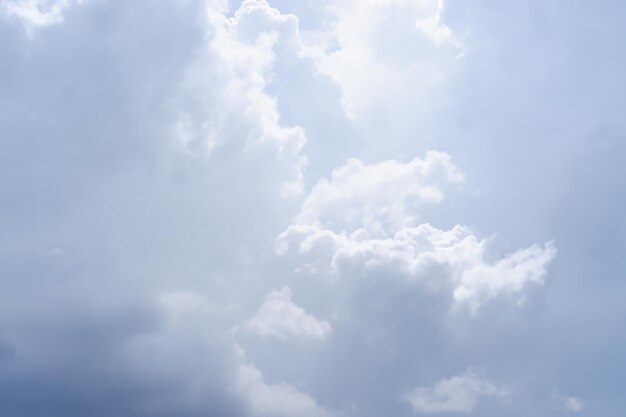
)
(192, 351)
(378, 197)
(280, 400)
(224, 92)
(279, 317)
(361, 222)
(153, 152)
(384, 46)
(166, 147)
(454, 259)
(458, 394)
(483, 281)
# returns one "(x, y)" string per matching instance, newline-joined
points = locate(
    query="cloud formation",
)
(36, 13)
(230, 208)
(381, 47)
(458, 394)
(574, 404)
(378, 197)
(279, 317)
(282, 400)
(362, 222)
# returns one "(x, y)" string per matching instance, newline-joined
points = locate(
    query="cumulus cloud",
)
(381, 47)
(166, 142)
(481, 282)
(433, 26)
(458, 394)
(362, 222)
(151, 155)
(281, 318)
(223, 95)
(192, 351)
(378, 197)
(263, 399)
(454, 259)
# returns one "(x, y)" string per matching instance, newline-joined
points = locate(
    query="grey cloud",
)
(101, 215)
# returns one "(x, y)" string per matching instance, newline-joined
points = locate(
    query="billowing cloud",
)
(378, 197)
(165, 132)
(458, 394)
(223, 100)
(281, 318)
(281, 400)
(484, 281)
(381, 47)
(229, 208)
(363, 222)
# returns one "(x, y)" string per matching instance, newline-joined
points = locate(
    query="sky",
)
(312, 208)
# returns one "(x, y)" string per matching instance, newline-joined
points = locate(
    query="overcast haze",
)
(312, 208)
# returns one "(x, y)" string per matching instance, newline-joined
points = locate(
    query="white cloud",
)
(384, 46)
(281, 318)
(484, 281)
(36, 13)
(458, 394)
(206, 159)
(192, 349)
(433, 25)
(163, 177)
(412, 253)
(378, 197)
(454, 259)
(223, 96)
(273, 400)
(362, 222)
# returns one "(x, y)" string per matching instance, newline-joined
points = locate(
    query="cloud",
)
(458, 394)
(205, 368)
(223, 95)
(273, 400)
(573, 404)
(122, 208)
(189, 352)
(378, 197)
(454, 259)
(362, 222)
(433, 25)
(279, 317)
(36, 13)
(482, 282)
(152, 153)
(381, 47)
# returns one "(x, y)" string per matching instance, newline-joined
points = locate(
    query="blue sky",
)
(312, 208)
